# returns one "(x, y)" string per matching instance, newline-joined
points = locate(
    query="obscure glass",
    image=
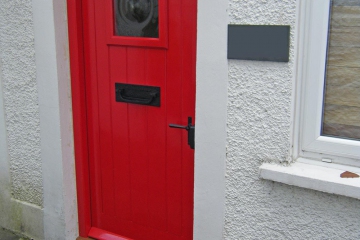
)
(341, 113)
(136, 18)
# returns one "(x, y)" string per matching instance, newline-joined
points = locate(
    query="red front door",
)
(141, 170)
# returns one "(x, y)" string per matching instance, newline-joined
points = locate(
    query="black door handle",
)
(190, 129)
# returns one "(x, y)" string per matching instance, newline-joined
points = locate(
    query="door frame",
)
(210, 154)
(77, 60)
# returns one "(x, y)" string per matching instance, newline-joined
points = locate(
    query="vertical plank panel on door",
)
(138, 125)
(92, 111)
(188, 93)
(105, 114)
(156, 75)
(118, 70)
(174, 115)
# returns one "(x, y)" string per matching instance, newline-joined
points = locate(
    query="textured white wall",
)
(37, 182)
(20, 163)
(20, 100)
(4, 158)
(259, 129)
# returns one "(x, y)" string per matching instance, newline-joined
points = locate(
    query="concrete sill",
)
(324, 177)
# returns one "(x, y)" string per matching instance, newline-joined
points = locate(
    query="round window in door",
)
(136, 18)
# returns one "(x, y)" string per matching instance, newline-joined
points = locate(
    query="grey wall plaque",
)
(259, 42)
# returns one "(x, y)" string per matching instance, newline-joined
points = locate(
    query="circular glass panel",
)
(138, 10)
(136, 18)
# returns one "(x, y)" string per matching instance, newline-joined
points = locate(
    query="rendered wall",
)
(37, 170)
(259, 128)
(21, 187)
(20, 100)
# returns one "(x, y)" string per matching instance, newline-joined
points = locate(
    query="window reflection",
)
(137, 18)
(342, 98)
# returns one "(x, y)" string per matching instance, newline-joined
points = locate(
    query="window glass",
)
(341, 112)
(136, 18)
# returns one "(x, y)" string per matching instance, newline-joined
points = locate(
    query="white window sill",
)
(314, 175)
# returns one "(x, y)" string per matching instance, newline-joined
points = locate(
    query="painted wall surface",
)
(21, 189)
(56, 133)
(259, 130)
(37, 170)
(21, 100)
(210, 137)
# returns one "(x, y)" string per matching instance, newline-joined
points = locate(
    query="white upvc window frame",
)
(318, 161)
(313, 43)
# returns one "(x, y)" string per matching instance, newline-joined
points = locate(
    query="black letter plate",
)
(137, 94)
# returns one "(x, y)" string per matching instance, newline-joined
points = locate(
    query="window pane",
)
(136, 18)
(341, 117)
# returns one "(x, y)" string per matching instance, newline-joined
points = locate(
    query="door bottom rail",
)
(99, 234)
